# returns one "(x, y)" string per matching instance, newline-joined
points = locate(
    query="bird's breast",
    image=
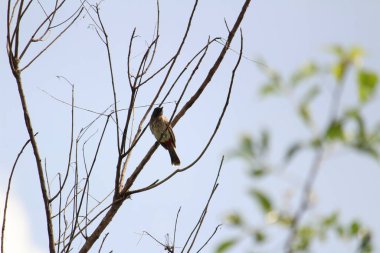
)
(158, 127)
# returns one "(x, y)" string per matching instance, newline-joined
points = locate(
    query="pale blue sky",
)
(284, 33)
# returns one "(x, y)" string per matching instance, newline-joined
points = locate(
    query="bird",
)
(163, 132)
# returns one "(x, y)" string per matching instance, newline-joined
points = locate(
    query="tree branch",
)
(7, 195)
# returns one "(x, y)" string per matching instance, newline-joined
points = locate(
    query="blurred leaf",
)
(307, 231)
(304, 237)
(246, 148)
(259, 236)
(306, 71)
(304, 112)
(226, 245)
(265, 138)
(340, 231)
(354, 114)
(247, 145)
(374, 137)
(258, 172)
(234, 219)
(367, 83)
(366, 243)
(367, 148)
(330, 220)
(285, 219)
(273, 86)
(292, 150)
(270, 89)
(339, 70)
(337, 50)
(311, 94)
(262, 199)
(354, 228)
(355, 54)
(335, 131)
(316, 143)
(303, 108)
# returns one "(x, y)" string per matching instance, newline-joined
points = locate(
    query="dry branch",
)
(7, 195)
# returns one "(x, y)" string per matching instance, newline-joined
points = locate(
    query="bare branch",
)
(7, 194)
(28, 124)
(209, 239)
(71, 142)
(175, 227)
(87, 182)
(199, 224)
(54, 40)
(215, 66)
(112, 75)
(101, 245)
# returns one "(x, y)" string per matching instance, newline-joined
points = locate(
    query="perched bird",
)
(161, 129)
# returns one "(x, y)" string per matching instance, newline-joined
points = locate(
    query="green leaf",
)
(374, 136)
(303, 108)
(258, 171)
(339, 70)
(270, 89)
(335, 131)
(285, 219)
(354, 114)
(273, 85)
(304, 112)
(337, 50)
(306, 71)
(304, 237)
(354, 228)
(316, 143)
(247, 146)
(311, 94)
(367, 148)
(292, 150)
(262, 199)
(340, 231)
(259, 236)
(234, 219)
(366, 243)
(367, 84)
(265, 139)
(226, 245)
(355, 54)
(330, 220)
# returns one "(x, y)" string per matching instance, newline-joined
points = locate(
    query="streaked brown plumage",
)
(159, 125)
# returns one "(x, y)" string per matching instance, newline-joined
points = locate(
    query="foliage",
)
(345, 127)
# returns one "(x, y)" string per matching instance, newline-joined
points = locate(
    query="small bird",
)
(161, 129)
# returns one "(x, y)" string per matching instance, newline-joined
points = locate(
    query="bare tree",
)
(69, 212)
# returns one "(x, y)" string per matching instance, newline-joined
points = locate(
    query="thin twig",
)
(101, 245)
(52, 42)
(103, 29)
(209, 239)
(199, 224)
(71, 139)
(7, 195)
(175, 228)
(87, 182)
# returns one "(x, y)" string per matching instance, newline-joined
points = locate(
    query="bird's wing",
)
(172, 134)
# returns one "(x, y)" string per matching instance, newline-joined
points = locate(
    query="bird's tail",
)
(173, 156)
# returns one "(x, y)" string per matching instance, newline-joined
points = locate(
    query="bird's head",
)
(157, 112)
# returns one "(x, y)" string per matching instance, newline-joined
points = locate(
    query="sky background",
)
(284, 33)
